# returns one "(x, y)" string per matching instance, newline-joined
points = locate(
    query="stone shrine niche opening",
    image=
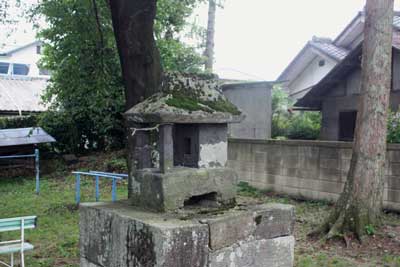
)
(186, 145)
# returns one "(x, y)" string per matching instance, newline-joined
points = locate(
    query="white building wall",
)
(28, 56)
(311, 75)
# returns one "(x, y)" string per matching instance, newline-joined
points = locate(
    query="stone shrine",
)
(192, 117)
(181, 209)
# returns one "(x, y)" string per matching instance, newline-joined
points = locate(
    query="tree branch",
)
(100, 30)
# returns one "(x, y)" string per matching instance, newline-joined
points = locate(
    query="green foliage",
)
(322, 259)
(393, 127)
(86, 92)
(390, 260)
(288, 124)
(177, 56)
(370, 229)
(304, 125)
(118, 165)
(18, 122)
(171, 21)
(247, 190)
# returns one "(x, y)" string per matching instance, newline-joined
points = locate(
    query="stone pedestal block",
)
(169, 191)
(117, 234)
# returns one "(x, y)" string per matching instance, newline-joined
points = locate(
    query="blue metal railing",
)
(37, 165)
(97, 175)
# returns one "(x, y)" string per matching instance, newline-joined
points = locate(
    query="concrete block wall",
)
(307, 169)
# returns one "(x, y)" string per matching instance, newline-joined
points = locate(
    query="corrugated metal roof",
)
(21, 94)
(24, 136)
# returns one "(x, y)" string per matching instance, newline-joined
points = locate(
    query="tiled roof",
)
(24, 136)
(329, 48)
(21, 93)
(396, 21)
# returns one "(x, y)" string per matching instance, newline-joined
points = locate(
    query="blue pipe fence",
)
(97, 175)
(37, 165)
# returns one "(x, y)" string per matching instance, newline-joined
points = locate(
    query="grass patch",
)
(56, 239)
(57, 235)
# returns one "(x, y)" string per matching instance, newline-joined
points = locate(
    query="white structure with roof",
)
(22, 60)
(320, 55)
(21, 95)
(22, 82)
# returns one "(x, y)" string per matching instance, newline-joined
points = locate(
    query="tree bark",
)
(360, 203)
(209, 51)
(133, 23)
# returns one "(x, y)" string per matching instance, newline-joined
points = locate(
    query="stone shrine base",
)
(118, 234)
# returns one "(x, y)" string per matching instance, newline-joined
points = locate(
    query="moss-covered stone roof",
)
(187, 98)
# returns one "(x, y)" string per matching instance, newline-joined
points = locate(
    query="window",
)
(20, 69)
(347, 125)
(38, 49)
(4, 67)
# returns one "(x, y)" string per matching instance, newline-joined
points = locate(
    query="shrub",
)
(287, 124)
(304, 125)
(393, 127)
(18, 122)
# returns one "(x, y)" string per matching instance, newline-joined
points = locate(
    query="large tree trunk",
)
(360, 203)
(209, 51)
(133, 23)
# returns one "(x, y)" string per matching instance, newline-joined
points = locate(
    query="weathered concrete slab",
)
(169, 191)
(227, 229)
(280, 253)
(262, 222)
(273, 220)
(117, 235)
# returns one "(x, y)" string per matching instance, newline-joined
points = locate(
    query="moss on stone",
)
(186, 103)
(222, 105)
(193, 103)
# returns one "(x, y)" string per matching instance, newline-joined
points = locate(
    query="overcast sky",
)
(261, 37)
(256, 39)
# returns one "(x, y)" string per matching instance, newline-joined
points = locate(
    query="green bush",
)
(304, 125)
(287, 124)
(18, 122)
(393, 127)
(79, 134)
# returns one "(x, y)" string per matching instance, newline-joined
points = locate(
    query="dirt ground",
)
(380, 248)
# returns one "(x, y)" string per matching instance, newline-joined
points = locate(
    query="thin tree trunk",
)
(360, 203)
(209, 51)
(133, 23)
